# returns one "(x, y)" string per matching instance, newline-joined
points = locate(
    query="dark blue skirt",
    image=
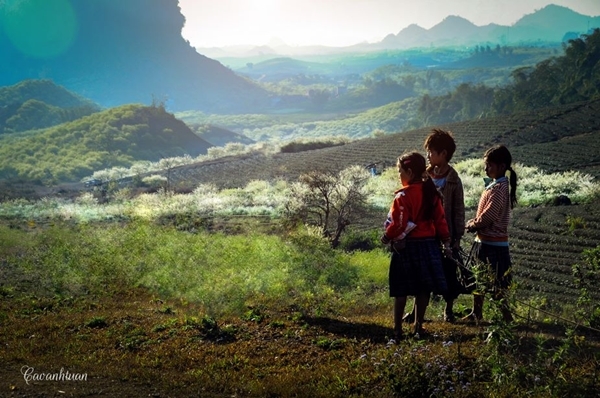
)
(499, 266)
(417, 269)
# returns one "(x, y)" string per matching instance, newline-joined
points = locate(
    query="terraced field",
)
(554, 139)
(544, 249)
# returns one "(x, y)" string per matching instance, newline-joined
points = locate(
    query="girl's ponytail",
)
(500, 154)
(430, 192)
(513, 187)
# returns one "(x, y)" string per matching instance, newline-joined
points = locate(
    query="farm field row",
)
(545, 244)
(556, 139)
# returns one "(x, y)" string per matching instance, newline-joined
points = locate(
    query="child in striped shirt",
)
(491, 224)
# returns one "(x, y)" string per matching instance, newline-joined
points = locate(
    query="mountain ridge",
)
(117, 53)
(551, 24)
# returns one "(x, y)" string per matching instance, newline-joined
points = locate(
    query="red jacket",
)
(407, 207)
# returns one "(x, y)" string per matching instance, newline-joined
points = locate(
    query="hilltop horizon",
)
(551, 24)
(265, 23)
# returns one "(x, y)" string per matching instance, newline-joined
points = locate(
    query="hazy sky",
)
(217, 23)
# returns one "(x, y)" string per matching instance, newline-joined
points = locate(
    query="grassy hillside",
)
(116, 137)
(392, 117)
(144, 309)
(35, 104)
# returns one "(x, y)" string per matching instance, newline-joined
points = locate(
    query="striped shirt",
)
(493, 213)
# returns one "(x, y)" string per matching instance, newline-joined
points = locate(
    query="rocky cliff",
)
(117, 52)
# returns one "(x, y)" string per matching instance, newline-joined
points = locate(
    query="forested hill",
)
(35, 104)
(117, 52)
(116, 137)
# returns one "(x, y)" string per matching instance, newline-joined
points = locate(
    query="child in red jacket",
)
(417, 269)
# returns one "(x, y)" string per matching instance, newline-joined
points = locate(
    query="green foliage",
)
(360, 240)
(466, 102)
(573, 77)
(575, 223)
(587, 276)
(254, 315)
(221, 274)
(116, 137)
(96, 322)
(36, 104)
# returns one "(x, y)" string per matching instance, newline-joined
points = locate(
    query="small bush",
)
(301, 146)
(575, 223)
(360, 240)
(96, 323)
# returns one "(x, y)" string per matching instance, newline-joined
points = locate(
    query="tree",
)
(329, 201)
(167, 164)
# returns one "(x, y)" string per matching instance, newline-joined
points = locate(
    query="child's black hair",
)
(417, 164)
(440, 140)
(499, 154)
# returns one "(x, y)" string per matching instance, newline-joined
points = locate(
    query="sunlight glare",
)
(264, 5)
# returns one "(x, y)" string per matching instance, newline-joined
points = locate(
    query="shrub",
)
(307, 146)
(587, 277)
(155, 181)
(575, 223)
(360, 240)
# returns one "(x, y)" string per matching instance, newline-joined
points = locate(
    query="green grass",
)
(222, 274)
(143, 308)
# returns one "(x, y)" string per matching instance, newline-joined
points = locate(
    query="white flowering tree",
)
(329, 201)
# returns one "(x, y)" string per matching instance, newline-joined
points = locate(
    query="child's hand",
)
(384, 239)
(470, 226)
(448, 252)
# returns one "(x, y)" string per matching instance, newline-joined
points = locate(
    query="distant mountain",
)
(118, 52)
(278, 68)
(551, 24)
(548, 25)
(116, 137)
(36, 104)
(411, 36)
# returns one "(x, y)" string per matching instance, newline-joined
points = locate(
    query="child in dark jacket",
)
(440, 147)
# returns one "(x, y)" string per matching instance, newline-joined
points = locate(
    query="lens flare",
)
(39, 28)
